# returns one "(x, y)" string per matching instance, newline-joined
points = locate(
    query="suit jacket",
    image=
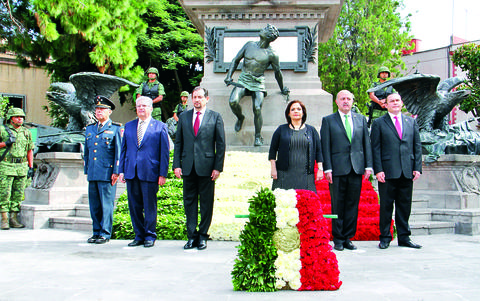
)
(206, 151)
(151, 157)
(393, 155)
(102, 151)
(280, 147)
(339, 155)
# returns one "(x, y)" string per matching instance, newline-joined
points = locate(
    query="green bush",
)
(170, 212)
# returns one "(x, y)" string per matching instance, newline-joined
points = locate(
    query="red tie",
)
(397, 126)
(196, 125)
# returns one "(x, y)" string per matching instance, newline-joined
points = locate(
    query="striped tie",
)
(140, 131)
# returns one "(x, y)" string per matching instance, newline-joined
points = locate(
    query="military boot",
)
(5, 225)
(14, 223)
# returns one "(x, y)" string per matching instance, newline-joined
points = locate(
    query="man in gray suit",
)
(347, 155)
(397, 163)
(198, 158)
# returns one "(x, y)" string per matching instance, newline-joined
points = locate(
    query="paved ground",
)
(60, 265)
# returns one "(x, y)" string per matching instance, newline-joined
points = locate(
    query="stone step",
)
(432, 227)
(71, 223)
(420, 214)
(82, 210)
(419, 203)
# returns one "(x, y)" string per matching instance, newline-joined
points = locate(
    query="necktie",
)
(348, 129)
(140, 131)
(196, 125)
(397, 126)
(100, 125)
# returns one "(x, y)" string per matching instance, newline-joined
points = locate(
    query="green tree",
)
(467, 57)
(368, 34)
(70, 36)
(3, 107)
(172, 45)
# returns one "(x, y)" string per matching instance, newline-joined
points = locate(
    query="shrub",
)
(170, 212)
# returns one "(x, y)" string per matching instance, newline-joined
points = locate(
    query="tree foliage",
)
(467, 57)
(368, 34)
(118, 37)
(172, 45)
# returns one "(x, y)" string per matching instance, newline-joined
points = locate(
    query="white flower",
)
(288, 267)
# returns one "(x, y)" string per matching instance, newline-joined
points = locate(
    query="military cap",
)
(15, 112)
(383, 69)
(184, 93)
(103, 102)
(152, 70)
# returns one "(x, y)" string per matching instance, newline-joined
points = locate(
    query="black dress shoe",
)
(93, 239)
(202, 244)
(338, 247)
(148, 243)
(384, 245)
(102, 240)
(409, 244)
(349, 245)
(191, 243)
(135, 243)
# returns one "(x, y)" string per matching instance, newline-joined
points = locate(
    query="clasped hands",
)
(121, 178)
(178, 173)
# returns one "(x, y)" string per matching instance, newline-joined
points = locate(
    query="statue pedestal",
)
(228, 25)
(450, 188)
(59, 184)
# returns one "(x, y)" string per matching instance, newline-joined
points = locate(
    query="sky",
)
(434, 21)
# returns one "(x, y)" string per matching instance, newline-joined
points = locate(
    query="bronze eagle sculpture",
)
(426, 97)
(77, 97)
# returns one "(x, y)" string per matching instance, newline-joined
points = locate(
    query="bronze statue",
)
(257, 57)
(77, 98)
(431, 101)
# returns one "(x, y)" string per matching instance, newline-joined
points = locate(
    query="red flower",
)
(319, 264)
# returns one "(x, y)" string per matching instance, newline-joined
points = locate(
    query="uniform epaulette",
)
(117, 123)
(93, 123)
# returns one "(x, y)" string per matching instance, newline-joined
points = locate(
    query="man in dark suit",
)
(347, 155)
(144, 165)
(198, 158)
(102, 153)
(397, 163)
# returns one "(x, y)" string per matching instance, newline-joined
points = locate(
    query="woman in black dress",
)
(294, 151)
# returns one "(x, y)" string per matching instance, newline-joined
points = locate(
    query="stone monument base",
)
(58, 185)
(450, 188)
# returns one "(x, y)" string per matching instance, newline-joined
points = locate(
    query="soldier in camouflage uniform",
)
(153, 89)
(16, 149)
(378, 105)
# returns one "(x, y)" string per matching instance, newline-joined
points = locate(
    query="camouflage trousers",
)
(12, 192)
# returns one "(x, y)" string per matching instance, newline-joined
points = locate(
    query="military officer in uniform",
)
(154, 89)
(101, 155)
(16, 165)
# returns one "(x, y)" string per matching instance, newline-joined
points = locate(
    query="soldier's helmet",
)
(15, 112)
(152, 70)
(184, 93)
(383, 69)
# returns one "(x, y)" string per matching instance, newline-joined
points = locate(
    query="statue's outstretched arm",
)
(234, 64)
(278, 74)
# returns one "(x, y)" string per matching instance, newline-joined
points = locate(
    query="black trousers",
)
(398, 192)
(195, 189)
(345, 196)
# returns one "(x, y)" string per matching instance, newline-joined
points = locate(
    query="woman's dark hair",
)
(287, 111)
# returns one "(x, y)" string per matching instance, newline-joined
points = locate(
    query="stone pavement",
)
(59, 265)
